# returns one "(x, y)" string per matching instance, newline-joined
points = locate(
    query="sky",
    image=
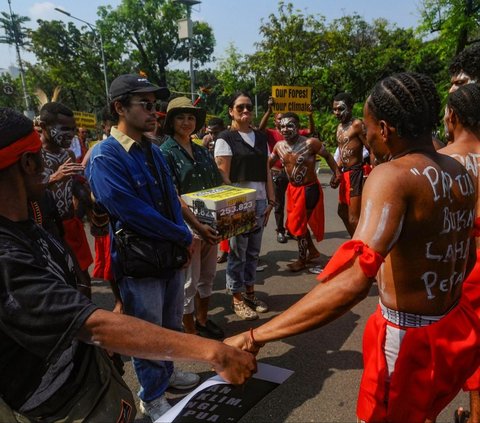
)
(233, 21)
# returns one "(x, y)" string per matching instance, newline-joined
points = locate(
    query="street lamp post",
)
(189, 4)
(95, 31)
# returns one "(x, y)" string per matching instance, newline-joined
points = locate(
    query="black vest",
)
(248, 163)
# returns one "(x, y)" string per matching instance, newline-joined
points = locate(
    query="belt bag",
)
(142, 257)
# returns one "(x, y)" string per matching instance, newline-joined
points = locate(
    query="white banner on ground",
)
(217, 401)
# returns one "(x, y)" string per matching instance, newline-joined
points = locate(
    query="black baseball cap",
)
(132, 84)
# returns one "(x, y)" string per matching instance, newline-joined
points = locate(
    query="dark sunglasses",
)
(241, 107)
(147, 105)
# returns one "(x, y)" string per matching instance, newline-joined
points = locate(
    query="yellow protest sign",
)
(291, 99)
(85, 120)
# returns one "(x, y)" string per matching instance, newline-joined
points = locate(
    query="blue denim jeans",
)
(244, 252)
(158, 301)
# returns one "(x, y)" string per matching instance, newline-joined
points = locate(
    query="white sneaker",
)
(316, 270)
(183, 380)
(156, 408)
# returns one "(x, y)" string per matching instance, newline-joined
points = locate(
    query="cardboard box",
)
(228, 209)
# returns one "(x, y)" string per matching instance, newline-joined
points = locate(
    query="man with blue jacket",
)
(130, 179)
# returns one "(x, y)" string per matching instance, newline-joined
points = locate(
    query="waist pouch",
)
(142, 257)
(99, 395)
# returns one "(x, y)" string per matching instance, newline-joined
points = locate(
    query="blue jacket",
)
(122, 183)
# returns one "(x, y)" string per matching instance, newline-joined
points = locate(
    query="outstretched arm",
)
(329, 300)
(131, 336)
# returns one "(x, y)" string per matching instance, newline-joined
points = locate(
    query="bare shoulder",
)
(357, 126)
(387, 178)
(314, 144)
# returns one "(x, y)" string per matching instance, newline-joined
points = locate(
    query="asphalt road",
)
(327, 362)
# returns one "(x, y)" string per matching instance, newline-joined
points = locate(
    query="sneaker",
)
(281, 238)
(156, 408)
(210, 330)
(243, 311)
(183, 380)
(261, 266)
(316, 270)
(254, 303)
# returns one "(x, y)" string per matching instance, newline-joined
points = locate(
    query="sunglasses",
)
(242, 107)
(147, 105)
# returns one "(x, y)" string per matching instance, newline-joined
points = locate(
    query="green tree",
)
(10, 92)
(71, 58)
(456, 22)
(15, 32)
(233, 74)
(291, 50)
(146, 32)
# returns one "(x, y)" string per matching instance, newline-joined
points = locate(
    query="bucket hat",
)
(183, 105)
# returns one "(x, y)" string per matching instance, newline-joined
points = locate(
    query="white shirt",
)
(223, 149)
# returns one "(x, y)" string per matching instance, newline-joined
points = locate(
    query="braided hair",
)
(408, 101)
(13, 126)
(467, 61)
(464, 102)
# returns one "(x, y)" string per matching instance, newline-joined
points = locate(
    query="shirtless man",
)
(279, 177)
(465, 67)
(304, 194)
(350, 139)
(415, 226)
(462, 130)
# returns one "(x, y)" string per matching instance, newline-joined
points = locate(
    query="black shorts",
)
(351, 184)
(312, 195)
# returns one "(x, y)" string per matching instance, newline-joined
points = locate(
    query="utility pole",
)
(189, 35)
(27, 112)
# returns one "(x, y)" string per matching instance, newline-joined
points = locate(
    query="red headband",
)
(12, 153)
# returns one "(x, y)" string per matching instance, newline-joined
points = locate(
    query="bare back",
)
(467, 152)
(298, 159)
(350, 139)
(419, 208)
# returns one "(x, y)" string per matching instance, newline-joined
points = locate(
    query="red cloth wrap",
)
(297, 222)
(102, 267)
(476, 228)
(224, 246)
(370, 261)
(471, 290)
(344, 188)
(432, 364)
(367, 168)
(75, 237)
(12, 153)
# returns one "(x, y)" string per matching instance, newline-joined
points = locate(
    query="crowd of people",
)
(409, 204)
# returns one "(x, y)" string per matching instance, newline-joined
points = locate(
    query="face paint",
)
(460, 79)
(61, 136)
(340, 110)
(288, 128)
